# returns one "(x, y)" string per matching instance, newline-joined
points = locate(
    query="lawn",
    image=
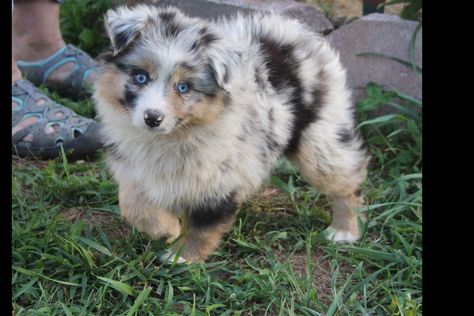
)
(73, 255)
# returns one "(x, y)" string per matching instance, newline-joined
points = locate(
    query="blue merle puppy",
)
(196, 114)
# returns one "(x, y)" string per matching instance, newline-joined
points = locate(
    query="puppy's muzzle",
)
(153, 118)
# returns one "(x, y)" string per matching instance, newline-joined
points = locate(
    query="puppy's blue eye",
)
(141, 78)
(182, 87)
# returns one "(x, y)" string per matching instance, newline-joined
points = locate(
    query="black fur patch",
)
(128, 101)
(167, 17)
(346, 136)
(282, 64)
(205, 82)
(188, 67)
(213, 211)
(120, 40)
(121, 46)
(207, 39)
(172, 28)
(225, 78)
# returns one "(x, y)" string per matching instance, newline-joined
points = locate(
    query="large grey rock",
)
(385, 34)
(211, 9)
(197, 8)
(304, 13)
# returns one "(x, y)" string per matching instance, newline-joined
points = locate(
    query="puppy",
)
(196, 114)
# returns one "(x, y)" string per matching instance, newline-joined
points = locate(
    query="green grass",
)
(82, 24)
(73, 255)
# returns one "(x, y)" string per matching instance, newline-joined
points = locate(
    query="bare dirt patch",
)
(320, 268)
(271, 200)
(111, 224)
(321, 271)
(18, 162)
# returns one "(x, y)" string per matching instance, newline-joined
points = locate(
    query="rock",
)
(197, 8)
(385, 34)
(211, 9)
(303, 12)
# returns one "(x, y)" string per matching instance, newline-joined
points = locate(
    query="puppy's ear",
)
(123, 25)
(222, 62)
(220, 57)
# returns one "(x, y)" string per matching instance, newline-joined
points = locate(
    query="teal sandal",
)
(56, 125)
(75, 85)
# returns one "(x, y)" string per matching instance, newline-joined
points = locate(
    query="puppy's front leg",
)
(145, 217)
(203, 228)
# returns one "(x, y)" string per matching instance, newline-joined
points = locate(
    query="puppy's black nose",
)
(153, 118)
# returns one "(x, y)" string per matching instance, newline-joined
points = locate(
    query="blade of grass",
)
(119, 286)
(380, 119)
(139, 300)
(94, 245)
(336, 301)
(371, 277)
(24, 288)
(36, 274)
(66, 309)
(65, 162)
(377, 254)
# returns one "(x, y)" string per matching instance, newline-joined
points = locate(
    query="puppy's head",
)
(164, 70)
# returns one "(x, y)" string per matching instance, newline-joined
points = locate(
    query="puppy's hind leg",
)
(336, 166)
(154, 221)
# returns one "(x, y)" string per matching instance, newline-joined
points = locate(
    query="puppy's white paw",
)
(170, 258)
(341, 235)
